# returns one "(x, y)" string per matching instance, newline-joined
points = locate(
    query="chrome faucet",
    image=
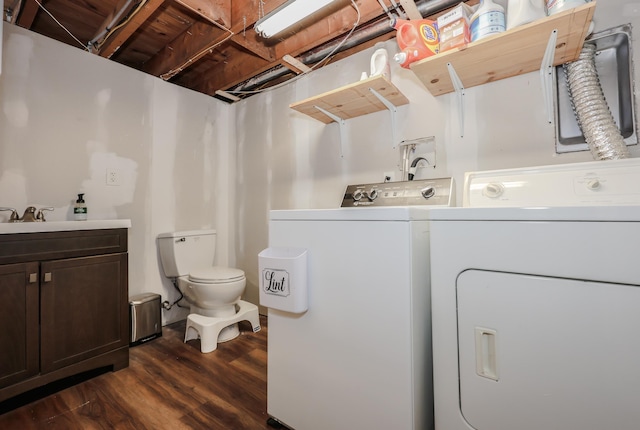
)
(14, 215)
(40, 214)
(30, 214)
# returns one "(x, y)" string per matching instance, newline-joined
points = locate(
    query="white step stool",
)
(208, 328)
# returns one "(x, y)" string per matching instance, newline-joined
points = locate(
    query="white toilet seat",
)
(216, 275)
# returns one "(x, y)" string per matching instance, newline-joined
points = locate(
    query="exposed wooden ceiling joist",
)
(249, 40)
(216, 11)
(120, 36)
(186, 48)
(411, 9)
(27, 13)
(312, 36)
(205, 45)
(294, 64)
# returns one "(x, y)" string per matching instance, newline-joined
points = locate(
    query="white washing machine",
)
(536, 300)
(359, 357)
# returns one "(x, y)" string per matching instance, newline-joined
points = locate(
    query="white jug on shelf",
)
(520, 12)
(380, 62)
(556, 6)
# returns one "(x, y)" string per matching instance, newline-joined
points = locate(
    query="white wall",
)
(68, 115)
(287, 160)
(188, 161)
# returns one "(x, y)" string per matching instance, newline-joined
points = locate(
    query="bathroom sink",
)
(37, 227)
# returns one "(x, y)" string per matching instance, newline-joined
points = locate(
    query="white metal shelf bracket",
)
(392, 110)
(341, 124)
(546, 74)
(459, 89)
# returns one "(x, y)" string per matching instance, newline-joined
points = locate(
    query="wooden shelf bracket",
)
(546, 74)
(459, 89)
(392, 110)
(341, 125)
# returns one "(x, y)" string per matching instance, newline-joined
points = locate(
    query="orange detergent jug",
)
(417, 39)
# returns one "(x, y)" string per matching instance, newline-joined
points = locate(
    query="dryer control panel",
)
(591, 183)
(431, 192)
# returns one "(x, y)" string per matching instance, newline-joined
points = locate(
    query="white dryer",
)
(536, 300)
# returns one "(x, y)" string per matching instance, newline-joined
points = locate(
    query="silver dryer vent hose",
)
(591, 109)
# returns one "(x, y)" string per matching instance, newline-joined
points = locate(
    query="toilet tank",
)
(183, 251)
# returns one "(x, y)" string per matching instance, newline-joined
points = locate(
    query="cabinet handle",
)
(47, 277)
(33, 278)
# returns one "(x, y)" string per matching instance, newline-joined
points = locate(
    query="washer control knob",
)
(493, 190)
(357, 194)
(428, 192)
(373, 194)
(593, 184)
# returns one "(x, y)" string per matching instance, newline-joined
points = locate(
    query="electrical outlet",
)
(113, 177)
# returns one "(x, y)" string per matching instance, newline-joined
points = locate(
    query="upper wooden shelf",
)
(352, 100)
(514, 52)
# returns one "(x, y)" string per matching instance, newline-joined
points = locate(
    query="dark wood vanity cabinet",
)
(19, 323)
(63, 306)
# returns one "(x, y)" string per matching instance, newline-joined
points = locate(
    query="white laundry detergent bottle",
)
(520, 12)
(487, 20)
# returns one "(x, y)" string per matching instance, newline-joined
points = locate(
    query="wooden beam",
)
(185, 49)
(228, 96)
(119, 37)
(249, 40)
(233, 72)
(215, 11)
(411, 9)
(239, 68)
(104, 27)
(245, 13)
(295, 65)
(182, 52)
(333, 26)
(28, 13)
(256, 57)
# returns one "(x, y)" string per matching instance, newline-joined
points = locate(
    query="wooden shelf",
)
(514, 52)
(352, 100)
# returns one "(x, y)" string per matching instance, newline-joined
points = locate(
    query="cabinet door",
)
(84, 309)
(18, 322)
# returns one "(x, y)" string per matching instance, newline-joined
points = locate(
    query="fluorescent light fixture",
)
(288, 14)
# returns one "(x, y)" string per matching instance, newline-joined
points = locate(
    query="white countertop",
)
(38, 227)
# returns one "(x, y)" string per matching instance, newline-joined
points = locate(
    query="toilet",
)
(213, 292)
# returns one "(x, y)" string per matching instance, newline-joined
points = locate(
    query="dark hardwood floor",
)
(168, 385)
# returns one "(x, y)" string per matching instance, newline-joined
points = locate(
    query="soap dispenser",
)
(80, 209)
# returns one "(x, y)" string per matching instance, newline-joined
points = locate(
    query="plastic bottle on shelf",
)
(520, 12)
(417, 39)
(487, 20)
(80, 209)
(380, 62)
(557, 6)
(406, 57)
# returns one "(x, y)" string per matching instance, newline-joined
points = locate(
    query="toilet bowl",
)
(213, 292)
